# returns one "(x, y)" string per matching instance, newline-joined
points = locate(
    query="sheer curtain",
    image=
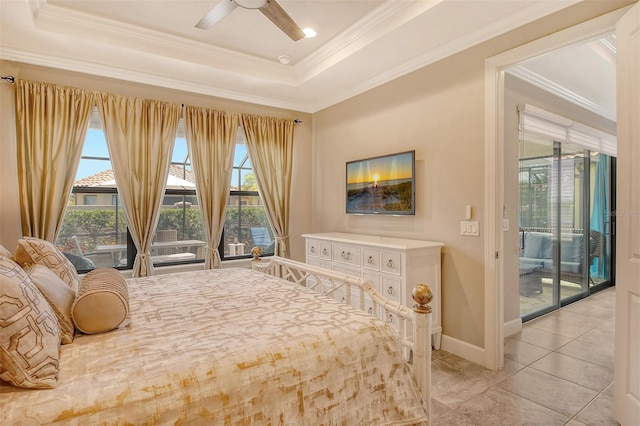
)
(270, 147)
(51, 124)
(140, 134)
(211, 138)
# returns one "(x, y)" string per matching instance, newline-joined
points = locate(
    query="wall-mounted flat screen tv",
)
(382, 185)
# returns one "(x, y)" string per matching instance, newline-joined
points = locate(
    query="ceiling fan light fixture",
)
(251, 4)
(309, 33)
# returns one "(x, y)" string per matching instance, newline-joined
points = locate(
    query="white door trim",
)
(494, 170)
(626, 394)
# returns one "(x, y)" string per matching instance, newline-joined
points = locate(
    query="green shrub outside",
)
(98, 226)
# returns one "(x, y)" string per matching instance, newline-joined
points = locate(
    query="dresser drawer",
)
(321, 249)
(312, 282)
(355, 300)
(374, 278)
(313, 248)
(390, 288)
(371, 259)
(347, 254)
(390, 262)
(346, 269)
(391, 319)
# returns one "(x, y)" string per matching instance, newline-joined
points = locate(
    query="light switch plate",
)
(470, 229)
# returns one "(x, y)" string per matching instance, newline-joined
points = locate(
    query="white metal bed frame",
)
(414, 330)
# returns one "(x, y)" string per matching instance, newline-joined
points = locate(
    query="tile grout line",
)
(575, 416)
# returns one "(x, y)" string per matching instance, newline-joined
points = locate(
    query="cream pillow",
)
(102, 303)
(4, 252)
(29, 332)
(34, 250)
(58, 294)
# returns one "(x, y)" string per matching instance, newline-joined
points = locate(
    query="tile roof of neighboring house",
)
(96, 179)
(107, 175)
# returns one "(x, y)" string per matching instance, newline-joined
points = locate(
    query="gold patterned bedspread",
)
(227, 347)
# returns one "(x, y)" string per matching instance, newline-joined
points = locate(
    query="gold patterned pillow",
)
(29, 332)
(34, 250)
(102, 302)
(59, 296)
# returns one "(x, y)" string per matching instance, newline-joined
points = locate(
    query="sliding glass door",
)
(565, 224)
(571, 229)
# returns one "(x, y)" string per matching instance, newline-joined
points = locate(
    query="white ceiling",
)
(584, 74)
(360, 44)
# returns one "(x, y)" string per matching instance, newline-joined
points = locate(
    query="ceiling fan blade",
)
(218, 12)
(278, 16)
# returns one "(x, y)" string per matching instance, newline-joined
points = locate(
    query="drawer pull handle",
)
(390, 263)
(370, 260)
(324, 251)
(312, 249)
(370, 311)
(346, 255)
(390, 318)
(390, 290)
(343, 300)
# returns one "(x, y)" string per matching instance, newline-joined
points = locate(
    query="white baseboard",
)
(512, 327)
(464, 350)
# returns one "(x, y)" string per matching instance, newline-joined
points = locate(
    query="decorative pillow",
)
(4, 252)
(81, 263)
(34, 250)
(102, 303)
(59, 296)
(537, 245)
(571, 247)
(29, 332)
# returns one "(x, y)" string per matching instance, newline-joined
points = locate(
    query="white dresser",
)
(394, 265)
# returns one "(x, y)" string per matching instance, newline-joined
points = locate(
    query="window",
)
(246, 224)
(94, 231)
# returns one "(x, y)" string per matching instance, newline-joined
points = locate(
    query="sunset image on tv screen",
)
(381, 184)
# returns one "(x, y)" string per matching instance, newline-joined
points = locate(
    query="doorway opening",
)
(565, 150)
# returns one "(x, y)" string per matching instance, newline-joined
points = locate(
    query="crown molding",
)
(144, 77)
(531, 77)
(372, 27)
(470, 39)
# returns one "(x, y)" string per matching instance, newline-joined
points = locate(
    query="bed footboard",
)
(414, 331)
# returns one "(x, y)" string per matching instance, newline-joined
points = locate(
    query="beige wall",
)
(438, 111)
(10, 228)
(441, 121)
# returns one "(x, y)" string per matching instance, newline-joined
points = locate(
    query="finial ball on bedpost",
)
(422, 295)
(256, 252)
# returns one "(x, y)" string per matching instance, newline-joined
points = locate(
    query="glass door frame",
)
(585, 212)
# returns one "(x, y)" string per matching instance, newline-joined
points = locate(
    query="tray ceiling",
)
(360, 43)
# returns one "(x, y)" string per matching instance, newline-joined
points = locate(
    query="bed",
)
(236, 346)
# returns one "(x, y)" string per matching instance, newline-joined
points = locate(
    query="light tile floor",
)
(557, 371)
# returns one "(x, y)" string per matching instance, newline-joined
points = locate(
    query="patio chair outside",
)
(262, 239)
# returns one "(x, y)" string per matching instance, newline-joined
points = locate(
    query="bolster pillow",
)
(102, 303)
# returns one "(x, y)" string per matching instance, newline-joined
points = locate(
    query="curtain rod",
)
(11, 80)
(297, 120)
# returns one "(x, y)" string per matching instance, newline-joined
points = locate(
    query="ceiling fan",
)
(269, 8)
